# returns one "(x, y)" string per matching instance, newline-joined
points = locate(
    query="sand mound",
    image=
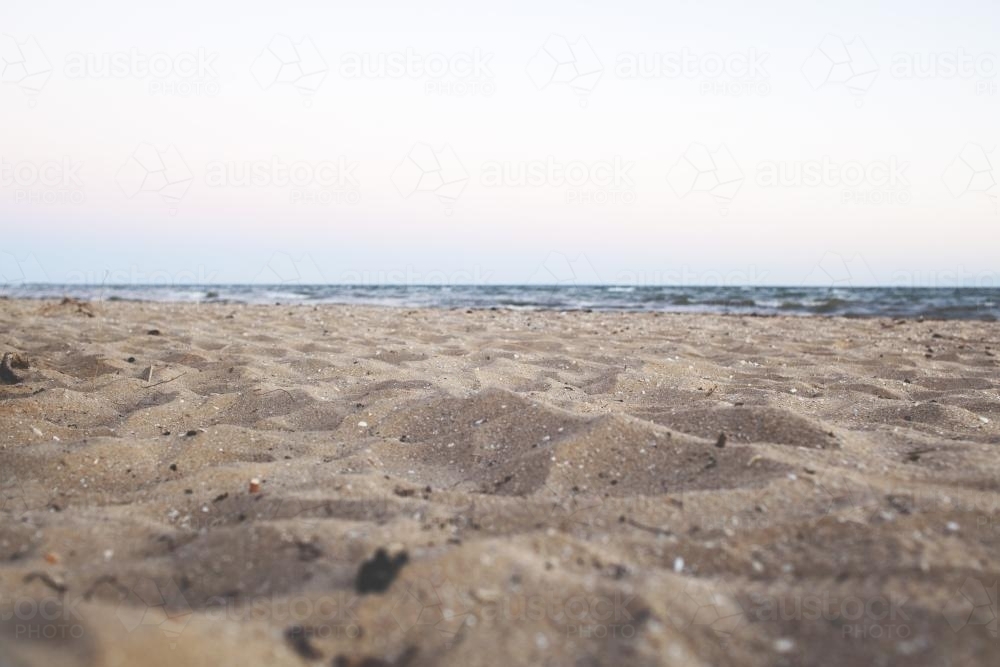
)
(748, 424)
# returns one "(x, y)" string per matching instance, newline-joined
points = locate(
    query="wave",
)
(897, 302)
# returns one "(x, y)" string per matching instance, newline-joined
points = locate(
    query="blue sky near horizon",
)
(640, 143)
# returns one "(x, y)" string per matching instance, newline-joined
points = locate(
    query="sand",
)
(293, 485)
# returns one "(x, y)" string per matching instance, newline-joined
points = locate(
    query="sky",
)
(443, 142)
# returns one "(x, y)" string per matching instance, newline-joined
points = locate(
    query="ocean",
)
(902, 302)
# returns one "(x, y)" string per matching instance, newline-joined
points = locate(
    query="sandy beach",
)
(295, 485)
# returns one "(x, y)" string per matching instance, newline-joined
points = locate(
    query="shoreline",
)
(220, 303)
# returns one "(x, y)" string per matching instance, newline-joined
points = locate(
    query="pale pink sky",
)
(196, 140)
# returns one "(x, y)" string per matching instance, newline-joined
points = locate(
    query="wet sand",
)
(220, 484)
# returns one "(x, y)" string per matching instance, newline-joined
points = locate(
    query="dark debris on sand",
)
(7, 373)
(299, 638)
(377, 574)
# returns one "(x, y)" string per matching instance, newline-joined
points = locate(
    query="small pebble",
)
(784, 645)
(254, 485)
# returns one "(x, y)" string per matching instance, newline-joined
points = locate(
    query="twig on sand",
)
(288, 393)
(166, 381)
(110, 580)
(641, 526)
(46, 579)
